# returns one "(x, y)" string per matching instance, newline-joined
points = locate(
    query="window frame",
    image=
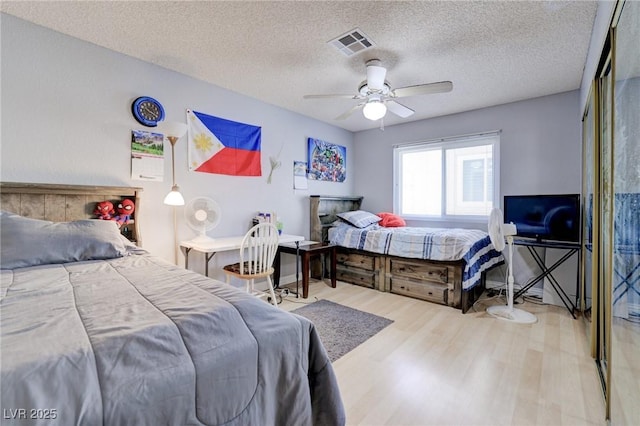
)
(443, 144)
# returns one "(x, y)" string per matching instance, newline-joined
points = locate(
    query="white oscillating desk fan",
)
(498, 231)
(202, 214)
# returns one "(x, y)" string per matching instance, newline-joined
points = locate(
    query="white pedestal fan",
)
(498, 231)
(202, 214)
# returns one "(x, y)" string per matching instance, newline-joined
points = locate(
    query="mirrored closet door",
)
(611, 217)
(604, 251)
(624, 352)
(589, 209)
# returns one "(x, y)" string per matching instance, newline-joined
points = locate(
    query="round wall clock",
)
(147, 111)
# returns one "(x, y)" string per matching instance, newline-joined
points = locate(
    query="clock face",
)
(147, 111)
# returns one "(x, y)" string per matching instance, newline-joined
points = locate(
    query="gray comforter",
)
(138, 341)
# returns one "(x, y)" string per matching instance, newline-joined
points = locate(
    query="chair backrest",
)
(258, 249)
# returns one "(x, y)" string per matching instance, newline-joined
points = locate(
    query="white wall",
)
(540, 153)
(539, 148)
(66, 118)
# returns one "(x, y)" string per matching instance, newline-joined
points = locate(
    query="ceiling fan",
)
(377, 95)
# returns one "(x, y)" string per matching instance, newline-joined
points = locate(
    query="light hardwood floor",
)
(436, 366)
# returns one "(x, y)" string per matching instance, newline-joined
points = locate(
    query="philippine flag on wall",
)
(222, 146)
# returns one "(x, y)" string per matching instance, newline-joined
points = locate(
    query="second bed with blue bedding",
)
(442, 244)
(441, 265)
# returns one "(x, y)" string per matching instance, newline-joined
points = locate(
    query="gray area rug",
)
(341, 328)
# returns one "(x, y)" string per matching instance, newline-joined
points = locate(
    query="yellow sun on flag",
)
(202, 142)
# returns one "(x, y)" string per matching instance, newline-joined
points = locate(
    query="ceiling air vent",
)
(352, 42)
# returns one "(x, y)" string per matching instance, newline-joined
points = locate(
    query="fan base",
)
(514, 315)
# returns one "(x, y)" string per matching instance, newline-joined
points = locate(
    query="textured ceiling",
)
(493, 52)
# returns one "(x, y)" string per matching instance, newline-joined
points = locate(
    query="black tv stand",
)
(571, 249)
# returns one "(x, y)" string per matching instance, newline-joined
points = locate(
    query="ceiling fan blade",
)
(399, 109)
(423, 89)
(375, 77)
(347, 114)
(332, 96)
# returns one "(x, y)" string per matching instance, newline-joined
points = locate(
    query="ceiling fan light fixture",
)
(376, 96)
(375, 109)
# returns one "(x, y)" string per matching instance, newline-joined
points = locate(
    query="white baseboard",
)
(497, 285)
(634, 309)
(493, 284)
(284, 280)
(535, 292)
(289, 279)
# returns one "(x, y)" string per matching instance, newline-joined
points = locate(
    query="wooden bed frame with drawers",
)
(430, 280)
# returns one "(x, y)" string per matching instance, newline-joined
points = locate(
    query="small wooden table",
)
(305, 252)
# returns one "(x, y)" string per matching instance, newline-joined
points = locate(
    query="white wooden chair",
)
(257, 252)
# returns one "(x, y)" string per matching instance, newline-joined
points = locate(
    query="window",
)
(447, 179)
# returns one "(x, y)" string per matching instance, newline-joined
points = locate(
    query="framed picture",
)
(327, 161)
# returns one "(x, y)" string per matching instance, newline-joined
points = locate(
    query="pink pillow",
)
(390, 220)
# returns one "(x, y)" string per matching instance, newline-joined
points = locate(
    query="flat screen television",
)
(544, 217)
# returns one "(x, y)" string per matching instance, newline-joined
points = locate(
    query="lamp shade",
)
(173, 128)
(174, 198)
(374, 109)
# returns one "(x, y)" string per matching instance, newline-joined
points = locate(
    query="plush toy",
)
(125, 210)
(104, 210)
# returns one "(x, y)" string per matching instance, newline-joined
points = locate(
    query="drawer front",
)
(356, 276)
(420, 271)
(355, 260)
(432, 292)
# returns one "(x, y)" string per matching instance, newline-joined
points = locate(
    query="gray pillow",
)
(30, 242)
(359, 218)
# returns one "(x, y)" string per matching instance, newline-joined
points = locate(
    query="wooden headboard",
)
(324, 210)
(62, 203)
